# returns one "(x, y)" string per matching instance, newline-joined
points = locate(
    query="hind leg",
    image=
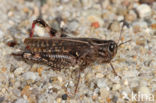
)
(52, 32)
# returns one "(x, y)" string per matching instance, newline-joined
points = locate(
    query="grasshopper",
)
(63, 51)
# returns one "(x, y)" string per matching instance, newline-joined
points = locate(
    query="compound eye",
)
(112, 47)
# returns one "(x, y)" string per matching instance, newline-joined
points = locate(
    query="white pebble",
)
(116, 87)
(60, 79)
(19, 71)
(144, 90)
(104, 92)
(126, 82)
(21, 100)
(40, 31)
(125, 95)
(73, 26)
(71, 83)
(1, 34)
(99, 75)
(101, 83)
(144, 10)
(31, 76)
(3, 77)
(132, 73)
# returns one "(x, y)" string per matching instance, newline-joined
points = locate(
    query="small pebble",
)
(3, 77)
(16, 92)
(60, 79)
(21, 100)
(132, 16)
(115, 26)
(125, 95)
(144, 11)
(104, 92)
(10, 13)
(87, 3)
(136, 28)
(64, 1)
(93, 18)
(132, 73)
(1, 99)
(58, 100)
(95, 24)
(26, 10)
(140, 42)
(1, 34)
(64, 96)
(12, 68)
(144, 90)
(121, 10)
(115, 99)
(99, 75)
(116, 87)
(101, 83)
(153, 26)
(73, 25)
(19, 71)
(30, 76)
(32, 99)
(126, 82)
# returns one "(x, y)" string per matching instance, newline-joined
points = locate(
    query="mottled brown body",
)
(61, 53)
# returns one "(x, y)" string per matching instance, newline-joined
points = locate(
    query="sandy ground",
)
(135, 61)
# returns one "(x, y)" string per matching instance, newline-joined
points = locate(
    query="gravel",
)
(21, 82)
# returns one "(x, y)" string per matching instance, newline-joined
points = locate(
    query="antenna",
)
(120, 34)
(124, 24)
(124, 42)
